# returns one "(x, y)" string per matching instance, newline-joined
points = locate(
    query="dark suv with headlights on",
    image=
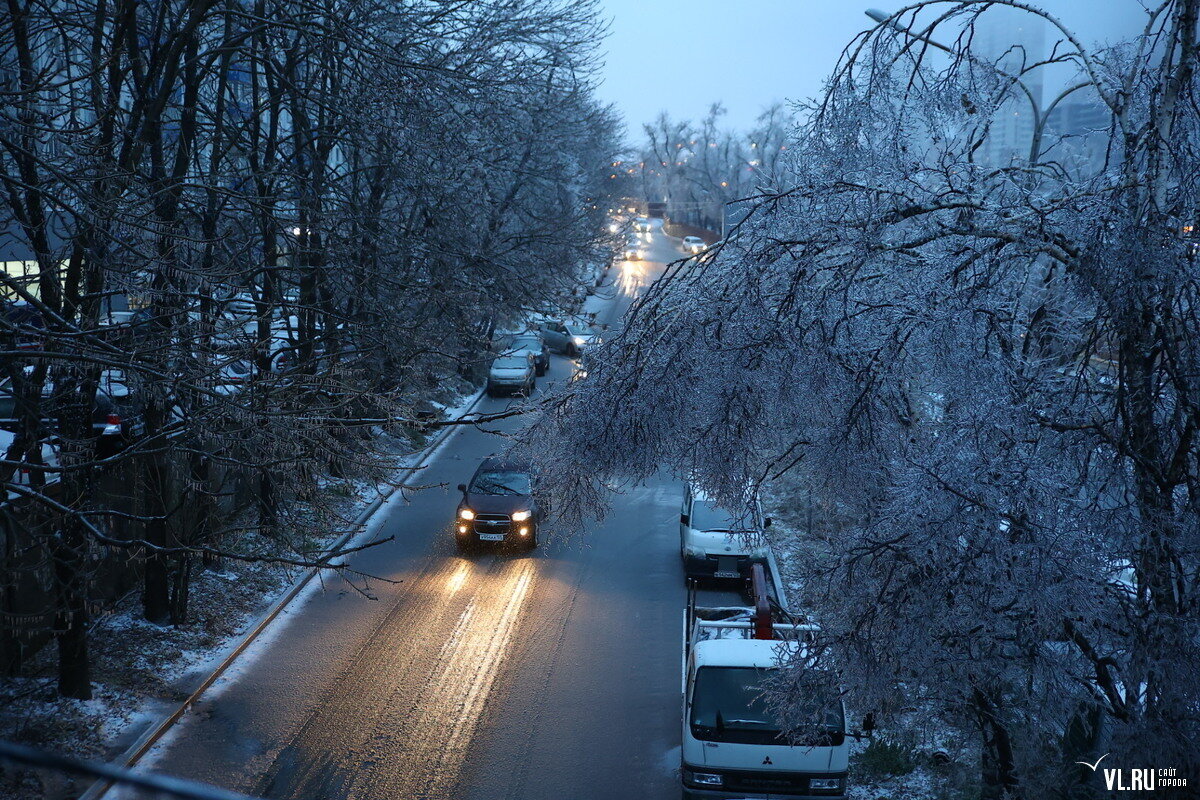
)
(498, 506)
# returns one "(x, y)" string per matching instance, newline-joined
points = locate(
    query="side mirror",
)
(462, 487)
(684, 519)
(767, 522)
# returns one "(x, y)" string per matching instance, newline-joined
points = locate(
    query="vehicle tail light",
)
(113, 419)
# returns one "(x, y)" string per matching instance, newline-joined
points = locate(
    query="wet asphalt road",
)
(551, 674)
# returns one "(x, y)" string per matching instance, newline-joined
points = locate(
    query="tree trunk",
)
(997, 766)
(71, 621)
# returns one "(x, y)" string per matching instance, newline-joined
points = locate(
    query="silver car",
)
(512, 374)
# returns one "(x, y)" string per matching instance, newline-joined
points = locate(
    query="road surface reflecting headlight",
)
(466, 513)
(520, 516)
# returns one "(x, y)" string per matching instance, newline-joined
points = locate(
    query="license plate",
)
(724, 574)
(492, 537)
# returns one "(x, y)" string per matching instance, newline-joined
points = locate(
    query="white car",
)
(694, 244)
(713, 543)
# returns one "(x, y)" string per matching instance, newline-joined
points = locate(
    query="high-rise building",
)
(1013, 41)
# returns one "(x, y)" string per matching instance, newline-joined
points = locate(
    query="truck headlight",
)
(703, 778)
(824, 784)
(520, 516)
(466, 513)
(696, 552)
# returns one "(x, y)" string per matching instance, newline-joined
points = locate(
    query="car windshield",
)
(578, 329)
(728, 705)
(502, 482)
(511, 362)
(709, 517)
(526, 343)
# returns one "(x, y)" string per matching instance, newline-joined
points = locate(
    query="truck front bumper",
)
(760, 785)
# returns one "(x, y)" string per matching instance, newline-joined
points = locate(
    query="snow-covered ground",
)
(142, 671)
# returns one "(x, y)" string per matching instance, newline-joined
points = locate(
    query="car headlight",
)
(580, 340)
(704, 778)
(696, 552)
(466, 513)
(824, 784)
(520, 516)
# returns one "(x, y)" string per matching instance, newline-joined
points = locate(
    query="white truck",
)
(733, 746)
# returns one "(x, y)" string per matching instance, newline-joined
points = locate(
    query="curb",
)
(139, 748)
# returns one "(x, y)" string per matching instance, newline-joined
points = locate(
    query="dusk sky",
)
(682, 55)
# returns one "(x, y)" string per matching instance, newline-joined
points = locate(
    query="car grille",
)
(744, 781)
(491, 523)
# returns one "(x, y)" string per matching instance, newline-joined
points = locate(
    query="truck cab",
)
(733, 744)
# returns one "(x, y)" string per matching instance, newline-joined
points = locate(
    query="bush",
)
(882, 759)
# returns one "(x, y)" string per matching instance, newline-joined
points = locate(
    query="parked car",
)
(22, 475)
(26, 323)
(713, 542)
(694, 244)
(499, 505)
(531, 342)
(512, 374)
(116, 413)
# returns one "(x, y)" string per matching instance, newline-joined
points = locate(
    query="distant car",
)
(554, 332)
(633, 252)
(498, 505)
(712, 543)
(512, 374)
(583, 335)
(694, 244)
(531, 342)
(643, 224)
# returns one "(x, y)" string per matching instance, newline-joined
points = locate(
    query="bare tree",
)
(987, 369)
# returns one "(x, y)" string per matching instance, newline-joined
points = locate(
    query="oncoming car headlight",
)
(520, 516)
(466, 513)
(580, 340)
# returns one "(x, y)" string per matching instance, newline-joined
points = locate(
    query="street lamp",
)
(1040, 116)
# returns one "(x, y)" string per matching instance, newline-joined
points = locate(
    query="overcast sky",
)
(681, 55)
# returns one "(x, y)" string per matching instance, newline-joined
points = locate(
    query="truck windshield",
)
(728, 706)
(709, 517)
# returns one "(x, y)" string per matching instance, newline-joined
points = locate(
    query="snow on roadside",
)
(141, 670)
(793, 545)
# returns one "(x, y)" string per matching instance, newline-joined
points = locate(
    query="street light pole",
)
(1040, 115)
